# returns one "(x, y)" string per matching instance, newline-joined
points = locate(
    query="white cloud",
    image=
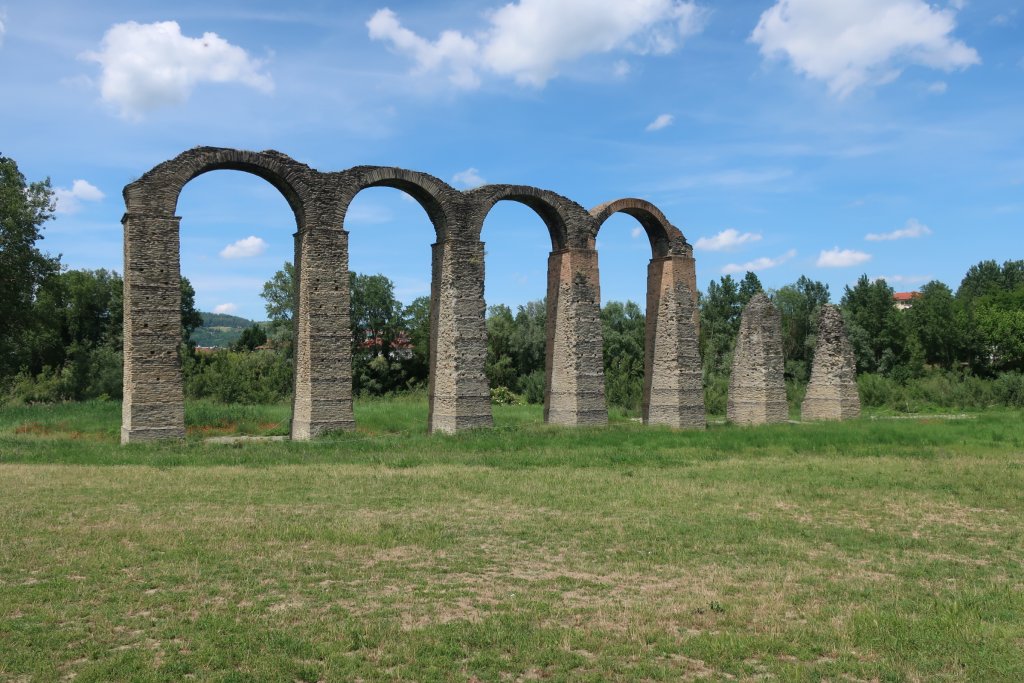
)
(852, 43)
(729, 238)
(841, 258)
(912, 229)
(147, 66)
(225, 308)
(938, 87)
(636, 232)
(469, 178)
(621, 68)
(529, 40)
(663, 121)
(3, 27)
(762, 263)
(244, 248)
(70, 200)
(904, 279)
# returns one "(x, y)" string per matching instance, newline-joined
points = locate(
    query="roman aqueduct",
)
(458, 388)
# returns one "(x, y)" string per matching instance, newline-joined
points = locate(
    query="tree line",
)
(62, 336)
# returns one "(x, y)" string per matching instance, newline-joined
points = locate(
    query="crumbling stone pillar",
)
(323, 337)
(673, 382)
(154, 404)
(757, 389)
(832, 391)
(460, 396)
(574, 394)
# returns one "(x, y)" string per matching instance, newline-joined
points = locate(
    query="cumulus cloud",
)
(244, 248)
(529, 40)
(938, 87)
(729, 238)
(225, 308)
(841, 258)
(469, 178)
(852, 43)
(912, 229)
(763, 263)
(636, 232)
(69, 200)
(663, 121)
(148, 66)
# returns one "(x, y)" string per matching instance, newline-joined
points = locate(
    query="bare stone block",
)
(832, 391)
(757, 388)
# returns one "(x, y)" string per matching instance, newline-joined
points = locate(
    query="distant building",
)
(904, 300)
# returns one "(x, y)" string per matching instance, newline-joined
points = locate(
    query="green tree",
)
(191, 319)
(377, 321)
(878, 331)
(622, 325)
(24, 208)
(279, 294)
(720, 311)
(937, 319)
(417, 323)
(251, 338)
(749, 286)
(799, 305)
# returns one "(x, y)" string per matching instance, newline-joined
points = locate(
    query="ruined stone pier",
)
(757, 387)
(832, 391)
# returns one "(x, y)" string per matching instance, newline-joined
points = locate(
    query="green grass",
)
(870, 550)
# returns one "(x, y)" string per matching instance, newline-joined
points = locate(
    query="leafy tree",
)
(749, 286)
(24, 208)
(799, 305)
(623, 327)
(279, 293)
(377, 322)
(720, 312)
(937, 318)
(251, 338)
(190, 317)
(878, 331)
(416, 318)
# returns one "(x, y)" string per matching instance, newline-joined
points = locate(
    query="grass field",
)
(871, 550)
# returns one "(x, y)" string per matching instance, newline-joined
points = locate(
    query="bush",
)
(877, 391)
(238, 377)
(532, 387)
(503, 396)
(716, 393)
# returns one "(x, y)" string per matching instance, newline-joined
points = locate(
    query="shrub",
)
(503, 396)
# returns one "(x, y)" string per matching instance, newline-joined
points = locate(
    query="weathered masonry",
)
(458, 388)
(832, 391)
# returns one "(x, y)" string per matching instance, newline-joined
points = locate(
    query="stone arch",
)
(156, 192)
(153, 406)
(457, 386)
(560, 215)
(574, 372)
(664, 237)
(440, 200)
(672, 392)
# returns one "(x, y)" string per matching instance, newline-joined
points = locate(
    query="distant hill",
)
(220, 329)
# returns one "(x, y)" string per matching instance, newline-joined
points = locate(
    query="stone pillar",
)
(323, 337)
(154, 402)
(574, 356)
(460, 396)
(832, 391)
(673, 382)
(757, 389)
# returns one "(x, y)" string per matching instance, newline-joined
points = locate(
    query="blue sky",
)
(789, 137)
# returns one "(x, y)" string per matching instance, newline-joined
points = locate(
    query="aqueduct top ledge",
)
(321, 199)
